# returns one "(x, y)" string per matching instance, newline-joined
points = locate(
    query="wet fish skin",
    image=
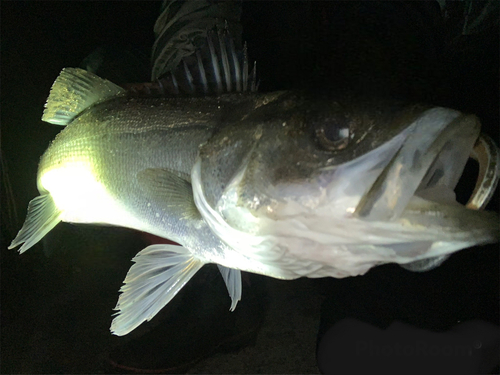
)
(241, 179)
(126, 161)
(291, 148)
(120, 142)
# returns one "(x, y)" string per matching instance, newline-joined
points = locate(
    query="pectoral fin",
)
(158, 274)
(43, 215)
(169, 191)
(232, 278)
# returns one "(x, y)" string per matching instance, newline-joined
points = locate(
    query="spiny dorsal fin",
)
(73, 91)
(182, 26)
(216, 68)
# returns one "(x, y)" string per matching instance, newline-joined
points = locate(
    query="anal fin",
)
(43, 215)
(159, 273)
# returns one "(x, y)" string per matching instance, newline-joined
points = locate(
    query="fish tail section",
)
(73, 91)
(43, 215)
(159, 273)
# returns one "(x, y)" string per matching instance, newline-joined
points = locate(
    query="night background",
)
(57, 298)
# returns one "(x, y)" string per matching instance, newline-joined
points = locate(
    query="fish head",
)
(348, 186)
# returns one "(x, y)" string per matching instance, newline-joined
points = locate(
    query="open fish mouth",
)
(429, 164)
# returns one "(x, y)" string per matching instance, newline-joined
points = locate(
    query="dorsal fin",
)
(182, 26)
(73, 91)
(215, 68)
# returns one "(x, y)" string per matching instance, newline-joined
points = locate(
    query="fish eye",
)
(333, 135)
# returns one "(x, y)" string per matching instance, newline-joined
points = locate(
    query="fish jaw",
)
(394, 204)
(433, 156)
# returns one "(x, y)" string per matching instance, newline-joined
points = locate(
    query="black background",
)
(56, 310)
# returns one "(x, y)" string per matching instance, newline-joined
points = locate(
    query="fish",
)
(286, 184)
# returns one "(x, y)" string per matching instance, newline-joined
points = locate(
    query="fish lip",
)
(434, 153)
(487, 154)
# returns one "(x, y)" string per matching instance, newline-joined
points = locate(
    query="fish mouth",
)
(428, 165)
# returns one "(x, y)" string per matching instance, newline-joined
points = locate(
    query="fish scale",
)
(285, 184)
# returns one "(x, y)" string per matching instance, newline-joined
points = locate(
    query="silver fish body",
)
(99, 167)
(127, 162)
(284, 184)
(123, 162)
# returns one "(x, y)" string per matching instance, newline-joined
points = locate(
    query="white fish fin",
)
(170, 191)
(158, 274)
(423, 265)
(73, 91)
(232, 278)
(43, 215)
(181, 31)
(213, 68)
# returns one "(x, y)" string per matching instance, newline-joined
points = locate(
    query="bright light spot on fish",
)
(68, 182)
(81, 197)
(157, 214)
